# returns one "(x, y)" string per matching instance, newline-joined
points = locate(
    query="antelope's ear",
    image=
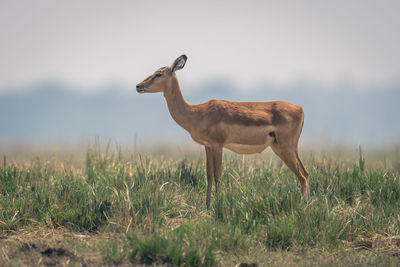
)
(179, 63)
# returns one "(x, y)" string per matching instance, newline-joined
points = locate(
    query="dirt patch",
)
(45, 247)
(56, 247)
(50, 256)
(244, 264)
(57, 252)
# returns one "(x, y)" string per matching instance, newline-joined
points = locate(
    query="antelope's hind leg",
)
(290, 157)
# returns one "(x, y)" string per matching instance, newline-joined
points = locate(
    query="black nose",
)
(137, 86)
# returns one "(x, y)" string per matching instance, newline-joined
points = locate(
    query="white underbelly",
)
(246, 149)
(249, 139)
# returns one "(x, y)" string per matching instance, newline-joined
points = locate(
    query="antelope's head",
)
(161, 77)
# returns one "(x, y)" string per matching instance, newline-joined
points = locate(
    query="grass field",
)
(114, 207)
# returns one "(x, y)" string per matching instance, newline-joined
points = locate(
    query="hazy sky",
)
(91, 43)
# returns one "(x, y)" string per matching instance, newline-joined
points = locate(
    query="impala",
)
(242, 127)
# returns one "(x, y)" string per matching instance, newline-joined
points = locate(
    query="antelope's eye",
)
(158, 75)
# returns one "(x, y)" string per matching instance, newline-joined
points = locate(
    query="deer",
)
(242, 127)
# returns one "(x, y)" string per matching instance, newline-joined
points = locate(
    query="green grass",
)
(181, 246)
(158, 204)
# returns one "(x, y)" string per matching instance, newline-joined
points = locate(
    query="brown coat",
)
(243, 127)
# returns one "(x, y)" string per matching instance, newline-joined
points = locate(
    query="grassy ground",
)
(129, 208)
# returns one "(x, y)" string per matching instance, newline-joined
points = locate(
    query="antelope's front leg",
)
(210, 174)
(217, 160)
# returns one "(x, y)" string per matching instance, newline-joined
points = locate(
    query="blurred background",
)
(68, 69)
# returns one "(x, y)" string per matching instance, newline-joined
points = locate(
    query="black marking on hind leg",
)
(272, 134)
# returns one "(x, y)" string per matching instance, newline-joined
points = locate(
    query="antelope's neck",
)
(180, 110)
